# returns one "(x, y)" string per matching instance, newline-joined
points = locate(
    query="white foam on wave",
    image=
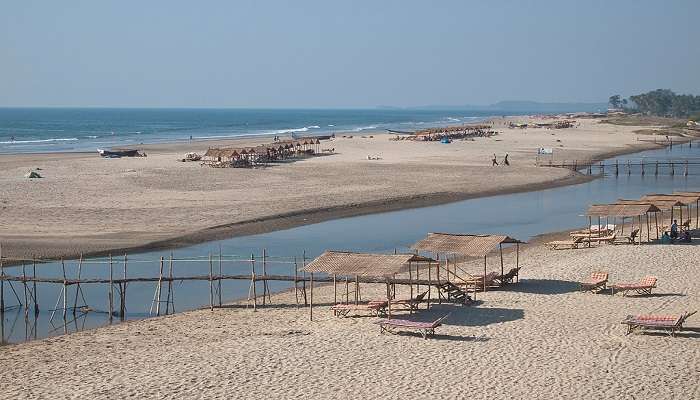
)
(453, 119)
(40, 141)
(364, 128)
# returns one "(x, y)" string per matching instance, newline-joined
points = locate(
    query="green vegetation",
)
(661, 103)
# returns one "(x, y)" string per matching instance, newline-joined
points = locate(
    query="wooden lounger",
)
(564, 244)
(643, 287)
(411, 304)
(424, 328)
(508, 277)
(476, 282)
(599, 239)
(628, 239)
(668, 323)
(596, 283)
(377, 308)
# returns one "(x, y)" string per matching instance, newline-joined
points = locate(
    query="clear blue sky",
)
(342, 54)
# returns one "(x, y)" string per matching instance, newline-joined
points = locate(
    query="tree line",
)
(659, 102)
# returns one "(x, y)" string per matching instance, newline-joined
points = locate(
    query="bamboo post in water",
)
(36, 295)
(211, 284)
(2, 286)
(296, 288)
(111, 290)
(264, 266)
(160, 283)
(220, 274)
(123, 297)
(65, 290)
(170, 301)
(77, 287)
(26, 295)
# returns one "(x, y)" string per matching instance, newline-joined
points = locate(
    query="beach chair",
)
(424, 328)
(596, 283)
(564, 244)
(476, 282)
(643, 287)
(669, 323)
(376, 308)
(411, 304)
(601, 239)
(508, 277)
(628, 239)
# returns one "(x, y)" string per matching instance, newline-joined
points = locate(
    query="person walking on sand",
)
(505, 160)
(494, 162)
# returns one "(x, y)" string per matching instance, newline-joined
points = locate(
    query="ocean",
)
(34, 130)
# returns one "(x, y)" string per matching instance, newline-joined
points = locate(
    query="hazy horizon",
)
(359, 55)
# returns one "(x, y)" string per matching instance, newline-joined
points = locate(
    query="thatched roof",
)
(364, 264)
(462, 244)
(665, 204)
(686, 199)
(621, 210)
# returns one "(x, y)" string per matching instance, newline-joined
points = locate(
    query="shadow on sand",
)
(544, 286)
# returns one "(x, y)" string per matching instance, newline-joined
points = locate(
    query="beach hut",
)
(625, 209)
(470, 246)
(697, 205)
(684, 200)
(349, 264)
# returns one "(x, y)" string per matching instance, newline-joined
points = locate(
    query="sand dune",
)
(540, 340)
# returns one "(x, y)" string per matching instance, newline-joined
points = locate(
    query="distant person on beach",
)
(190, 138)
(494, 162)
(674, 229)
(12, 139)
(505, 160)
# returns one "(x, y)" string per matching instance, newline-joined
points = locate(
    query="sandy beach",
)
(540, 339)
(86, 204)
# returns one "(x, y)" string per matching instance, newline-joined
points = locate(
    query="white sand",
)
(538, 340)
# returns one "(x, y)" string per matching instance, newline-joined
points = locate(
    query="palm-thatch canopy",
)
(686, 199)
(462, 244)
(665, 204)
(362, 264)
(631, 209)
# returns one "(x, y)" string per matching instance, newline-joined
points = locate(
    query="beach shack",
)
(624, 209)
(346, 266)
(470, 246)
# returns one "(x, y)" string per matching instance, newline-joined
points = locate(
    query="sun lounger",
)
(377, 308)
(643, 287)
(508, 277)
(424, 328)
(628, 239)
(600, 239)
(596, 283)
(668, 323)
(564, 244)
(476, 282)
(411, 304)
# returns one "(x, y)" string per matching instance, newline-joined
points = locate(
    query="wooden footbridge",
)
(641, 166)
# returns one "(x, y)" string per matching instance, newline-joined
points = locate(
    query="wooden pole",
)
(311, 299)
(77, 287)
(36, 295)
(296, 291)
(517, 262)
(357, 289)
(484, 274)
(65, 290)
(656, 222)
(123, 302)
(500, 250)
(252, 281)
(160, 283)
(170, 301)
(211, 284)
(429, 285)
(220, 274)
(111, 290)
(335, 290)
(26, 295)
(347, 291)
(264, 266)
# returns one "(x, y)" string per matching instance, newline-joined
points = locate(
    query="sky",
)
(342, 54)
